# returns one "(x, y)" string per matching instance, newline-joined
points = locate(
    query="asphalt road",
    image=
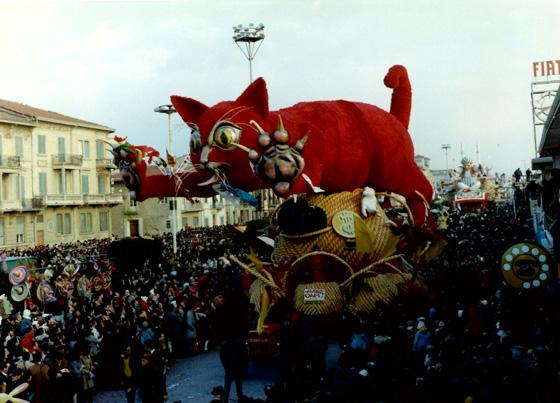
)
(190, 380)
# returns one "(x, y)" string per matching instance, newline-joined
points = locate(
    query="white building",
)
(55, 175)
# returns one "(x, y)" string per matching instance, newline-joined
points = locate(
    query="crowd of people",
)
(157, 307)
(472, 338)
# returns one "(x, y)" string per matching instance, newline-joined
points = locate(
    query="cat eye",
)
(196, 142)
(225, 135)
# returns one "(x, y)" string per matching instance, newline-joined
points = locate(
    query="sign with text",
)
(313, 294)
(546, 68)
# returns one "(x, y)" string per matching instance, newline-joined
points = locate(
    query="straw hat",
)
(20, 292)
(17, 275)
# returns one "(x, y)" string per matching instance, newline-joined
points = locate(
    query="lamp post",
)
(251, 38)
(446, 147)
(169, 110)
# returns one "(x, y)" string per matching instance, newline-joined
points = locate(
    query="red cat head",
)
(225, 135)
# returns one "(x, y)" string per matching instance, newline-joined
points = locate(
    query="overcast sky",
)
(470, 63)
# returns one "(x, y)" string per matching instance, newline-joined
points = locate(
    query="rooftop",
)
(24, 114)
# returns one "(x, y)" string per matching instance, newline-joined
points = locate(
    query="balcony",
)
(34, 204)
(63, 200)
(193, 206)
(38, 202)
(10, 162)
(104, 163)
(114, 198)
(131, 210)
(94, 199)
(67, 161)
(10, 205)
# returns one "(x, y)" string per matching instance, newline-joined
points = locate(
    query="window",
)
(206, 221)
(85, 184)
(60, 178)
(168, 224)
(195, 222)
(59, 224)
(41, 144)
(39, 218)
(19, 147)
(67, 224)
(103, 221)
(99, 150)
(101, 184)
(85, 223)
(61, 145)
(1, 231)
(63, 224)
(20, 187)
(84, 148)
(42, 183)
(163, 200)
(222, 220)
(20, 229)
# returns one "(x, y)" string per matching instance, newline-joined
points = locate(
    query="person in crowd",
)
(471, 337)
(231, 323)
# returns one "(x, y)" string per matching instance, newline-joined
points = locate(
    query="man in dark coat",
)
(150, 380)
(230, 321)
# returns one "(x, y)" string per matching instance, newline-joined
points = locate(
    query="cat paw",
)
(279, 163)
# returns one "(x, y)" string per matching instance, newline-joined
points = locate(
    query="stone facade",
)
(55, 178)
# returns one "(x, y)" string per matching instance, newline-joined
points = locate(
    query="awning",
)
(542, 163)
(550, 139)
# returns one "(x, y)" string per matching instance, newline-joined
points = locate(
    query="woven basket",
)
(328, 240)
(382, 291)
(332, 303)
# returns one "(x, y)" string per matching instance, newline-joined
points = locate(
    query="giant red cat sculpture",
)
(329, 146)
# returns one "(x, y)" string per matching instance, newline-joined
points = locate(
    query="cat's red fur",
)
(350, 145)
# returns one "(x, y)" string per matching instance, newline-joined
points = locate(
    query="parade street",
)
(192, 379)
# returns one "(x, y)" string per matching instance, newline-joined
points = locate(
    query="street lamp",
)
(446, 147)
(251, 37)
(169, 110)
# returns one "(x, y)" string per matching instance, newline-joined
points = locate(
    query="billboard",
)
(546, 68)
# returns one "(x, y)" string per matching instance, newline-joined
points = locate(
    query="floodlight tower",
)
(169, 110)
(249, 39)
(446, 147)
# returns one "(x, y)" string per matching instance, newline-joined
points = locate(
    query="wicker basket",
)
(328, 240)
(318, 298)
(381, 290)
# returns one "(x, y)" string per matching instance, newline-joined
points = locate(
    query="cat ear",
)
(189, 109)
(255, 96)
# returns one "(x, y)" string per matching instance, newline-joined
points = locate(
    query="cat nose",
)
(204, 155)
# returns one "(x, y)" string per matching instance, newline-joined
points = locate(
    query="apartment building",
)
(55, 178)
(155, 216)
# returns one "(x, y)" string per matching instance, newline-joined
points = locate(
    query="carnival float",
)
(356, 222)
(472, 188)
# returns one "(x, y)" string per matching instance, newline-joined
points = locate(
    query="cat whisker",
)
(244, 148)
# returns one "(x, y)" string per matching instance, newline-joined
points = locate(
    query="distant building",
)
(55, 175)
(154, 216)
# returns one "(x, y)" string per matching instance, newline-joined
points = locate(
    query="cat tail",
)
(401, 100)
